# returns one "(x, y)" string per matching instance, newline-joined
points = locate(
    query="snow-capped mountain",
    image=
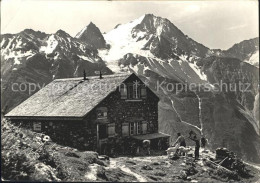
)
(152, 37)
(158, 52)
(36, 57)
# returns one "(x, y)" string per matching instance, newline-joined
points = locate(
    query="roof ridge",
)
(94, 77)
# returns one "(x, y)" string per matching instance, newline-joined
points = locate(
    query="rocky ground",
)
(32, 156)
(163, 169)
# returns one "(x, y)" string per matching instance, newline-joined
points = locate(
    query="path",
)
(114, 163)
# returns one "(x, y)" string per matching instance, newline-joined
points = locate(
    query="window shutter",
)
(132, 128)
(144, 127)
(143, 92)
(125, 129)
(111, 129)
(139, 128)
(123, 91)
(37, 126)
(130, 91)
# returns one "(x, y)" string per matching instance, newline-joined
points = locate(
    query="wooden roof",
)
(73, 97)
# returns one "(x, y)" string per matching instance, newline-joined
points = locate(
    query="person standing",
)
(203, 141)
(197, 146)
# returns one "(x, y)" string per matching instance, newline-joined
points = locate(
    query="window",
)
(143, 92)
(136, 92)
(111, 129)
(133, 91)
(130, 91)
(37, 126)
(123, 91)
(125, 129)
(135, 128)
(132, 128)
(139, 128)
(101, 113)
(144, 127)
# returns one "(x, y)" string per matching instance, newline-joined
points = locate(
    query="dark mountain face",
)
(226, 117)
(33, 59)
(92, 35)
(247, 51)
(243, 49)
(158, 52)
(233, 123)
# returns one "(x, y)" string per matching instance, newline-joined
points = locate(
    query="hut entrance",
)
(102, 131)
(102, 138)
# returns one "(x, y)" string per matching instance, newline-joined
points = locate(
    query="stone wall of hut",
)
(122, 110)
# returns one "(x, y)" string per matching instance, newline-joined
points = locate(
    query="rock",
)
(191, 170)
(153, 177)
(90, 156)
(189, 178)
(190, 155)
(101, 173)
(160, 174)
(147, 167)
(72, 154)
(103, 157)
(44, 173)
(156, 163)
(130, 162)
(183, 175)
(205, 151)
(193, 181)
(100, 162)
(222, 153)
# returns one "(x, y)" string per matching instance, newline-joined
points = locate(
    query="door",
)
(102, 131)
(102, 138)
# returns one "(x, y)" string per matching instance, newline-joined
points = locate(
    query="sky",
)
(216, 24)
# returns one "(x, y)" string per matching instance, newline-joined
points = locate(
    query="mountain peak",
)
(149, 15)
(154, 17)
(91, 24)
(62, 33)
(92, 35)
(33, 32)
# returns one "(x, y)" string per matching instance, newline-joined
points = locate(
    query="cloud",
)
(192, 8)
(236, 27)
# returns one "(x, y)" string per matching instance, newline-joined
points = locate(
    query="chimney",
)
(100, 75)
(84, 75)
